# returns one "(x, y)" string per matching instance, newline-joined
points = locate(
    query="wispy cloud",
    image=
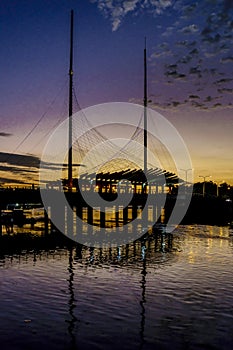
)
(190, 29)
(193, 50)
(116, 10)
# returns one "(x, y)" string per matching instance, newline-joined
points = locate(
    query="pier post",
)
(145, 216)
(0, 222)
(90, 215)
(162, 215)
(78, 218)
(58, 212)
(134, 211)
(46, 222)
(102, 217)
(70, 221)
(125, 215)
(117, 215)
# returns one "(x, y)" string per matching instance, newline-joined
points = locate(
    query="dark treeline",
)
(211, 206)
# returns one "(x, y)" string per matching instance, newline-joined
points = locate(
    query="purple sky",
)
(190, 72)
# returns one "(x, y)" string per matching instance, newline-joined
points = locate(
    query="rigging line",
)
(54, 126)
(48, 132)
(98, 134)
(38, 122)
(88, 122)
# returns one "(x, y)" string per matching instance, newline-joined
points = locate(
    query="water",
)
(161, 295)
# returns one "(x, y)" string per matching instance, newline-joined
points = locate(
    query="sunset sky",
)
(190, 73)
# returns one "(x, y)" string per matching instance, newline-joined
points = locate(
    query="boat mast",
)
(145, 110)
(70, 176)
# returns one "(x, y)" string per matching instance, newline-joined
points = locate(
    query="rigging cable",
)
(39, 121)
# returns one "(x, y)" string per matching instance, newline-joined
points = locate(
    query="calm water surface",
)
(157, 295)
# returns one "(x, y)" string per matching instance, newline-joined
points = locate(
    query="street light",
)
(204, 177)
(186, 175)
(217, 184)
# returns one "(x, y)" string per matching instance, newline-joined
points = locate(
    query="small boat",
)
(21, 214)
(159, 228)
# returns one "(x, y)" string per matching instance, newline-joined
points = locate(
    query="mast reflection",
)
(143, 297)
(71, 303)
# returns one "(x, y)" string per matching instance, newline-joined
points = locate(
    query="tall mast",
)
(70, 176)
(145, 110)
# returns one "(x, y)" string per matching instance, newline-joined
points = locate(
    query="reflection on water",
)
(160, 293)
(73, 319)
(143, 299)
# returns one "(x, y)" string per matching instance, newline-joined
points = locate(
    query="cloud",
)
(225, 90)
(20, 160)
(5, 134)
(194, 52)
(18, 167)
(116, 10)
(189, 9)
(190, 29)
(185, 59)
(212, 39)
(223, 81)
(174, 74)
(7, 180)
(27, 161)
(171, 66)
(195, 70)
(216, 105)
(194, 97)
(17, 170)
(159, 53)
(186, 43)
(228, 59)
(169, 31)
(208, 99)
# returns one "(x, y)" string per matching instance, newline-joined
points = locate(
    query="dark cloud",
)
(20, 160)
(174, 74)
(223, 81)
(189, 9)
(5, 134)
(194, 52)
(198, 104)
(201, 59)
(28, 161)
(228, 59)
(185, 59)
(171, 66)
(195, 70)
(206, 31)
(194, 96)
(208, 99)
(225, 90)
(6, 180)
(171, 73)
(186, 43)
(217, 105)
(17, 170)
(175, 103)
(212, 39)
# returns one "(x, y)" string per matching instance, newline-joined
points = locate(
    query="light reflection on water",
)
(164, 295)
